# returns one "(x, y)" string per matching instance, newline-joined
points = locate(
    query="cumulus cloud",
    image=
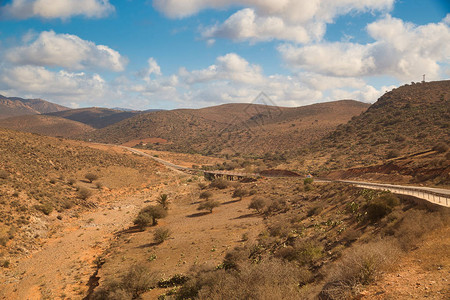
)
(400, 49)
(51, 9)
(246, 25)
(67, 51)
(62, 85)
(228, 67)
(263, 20)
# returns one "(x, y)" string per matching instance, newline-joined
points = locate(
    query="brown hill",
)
(231, 128)
(46, 125)
(95, 116)
(42, 177)
(14, 106)
(410, 119)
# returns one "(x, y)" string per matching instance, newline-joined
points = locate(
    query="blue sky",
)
(177, 53)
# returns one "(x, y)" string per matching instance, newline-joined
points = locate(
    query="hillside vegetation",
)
(232, 128)
(407, 120)
(45, 179)
(317, 240)
(46, 125)
(96, 117)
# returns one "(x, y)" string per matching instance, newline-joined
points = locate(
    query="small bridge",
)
(433, 195)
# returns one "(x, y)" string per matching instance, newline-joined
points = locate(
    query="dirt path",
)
(61, 269)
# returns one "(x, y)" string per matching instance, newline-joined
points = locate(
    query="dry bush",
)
(84, 193)
(258, 203)
(272, 279)
(276, 205)
(71, 181)
(136, 281)
(415, 224)
(239, 193)
(441, 148)
(202, 185)
(4, 174)
(45, 208)
(91, 177)
(315, 210)
(360, 265)
(161, 234)
(206, 195)
(219, 183)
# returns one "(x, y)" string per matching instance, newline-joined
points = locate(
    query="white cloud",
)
(264, 20)
(401, 49)
(246, 25)
(65, 86)
(366, 93)
(52, 9)
(153, 68)
(228, 67)
(67, 51)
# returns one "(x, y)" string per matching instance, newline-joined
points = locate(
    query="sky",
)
(166, 54)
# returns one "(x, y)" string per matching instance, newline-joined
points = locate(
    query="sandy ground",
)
(422, 274)
(62, 268)
(198, 238)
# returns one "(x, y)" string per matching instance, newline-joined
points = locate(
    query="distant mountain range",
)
(231, 128)
(14, 106)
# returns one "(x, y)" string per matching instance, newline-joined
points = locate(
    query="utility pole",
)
(423, 78)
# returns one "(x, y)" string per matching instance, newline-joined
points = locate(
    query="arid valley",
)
(209, 149)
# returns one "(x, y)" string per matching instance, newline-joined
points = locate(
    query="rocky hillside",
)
(233, 128)
(410, 119)
(14, 106)
(96, 117)
(42, 180)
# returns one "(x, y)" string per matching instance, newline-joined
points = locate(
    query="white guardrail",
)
(433, 195)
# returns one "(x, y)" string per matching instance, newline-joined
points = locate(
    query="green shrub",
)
(381, 206)
(161, 234)
(149, 215)
(377, 210)
(308, 180)
(208, 205)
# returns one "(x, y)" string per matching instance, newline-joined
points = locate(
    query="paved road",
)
(437, 196)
